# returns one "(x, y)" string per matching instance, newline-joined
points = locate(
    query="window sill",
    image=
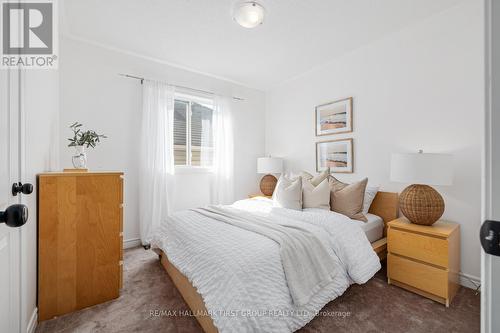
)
(186, 169)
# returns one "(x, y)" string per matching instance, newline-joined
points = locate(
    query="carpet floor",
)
(373, 307)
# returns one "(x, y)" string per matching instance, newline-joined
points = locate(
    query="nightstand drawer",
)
(427, 278)
(425, 248)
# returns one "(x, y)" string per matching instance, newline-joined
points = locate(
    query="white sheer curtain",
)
(223, 160)
(156, 157)
(206, 146)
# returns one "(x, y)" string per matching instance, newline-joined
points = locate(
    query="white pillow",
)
(370, 193)
(316, 196)
(288, 193)
(292, 175)
(316, 180)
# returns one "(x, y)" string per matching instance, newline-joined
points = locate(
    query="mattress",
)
(374, 228)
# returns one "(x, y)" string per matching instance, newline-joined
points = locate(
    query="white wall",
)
(418, 88)
(93, 94)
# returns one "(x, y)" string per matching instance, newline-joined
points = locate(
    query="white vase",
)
(79, 159)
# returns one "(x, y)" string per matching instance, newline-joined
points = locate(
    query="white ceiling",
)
(296, 36)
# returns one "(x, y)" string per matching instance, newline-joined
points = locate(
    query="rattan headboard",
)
(386, 206)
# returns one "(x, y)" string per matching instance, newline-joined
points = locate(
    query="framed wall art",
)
(334, 117)
(336, 154)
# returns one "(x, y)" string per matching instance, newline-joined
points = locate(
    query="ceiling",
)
(297, 35)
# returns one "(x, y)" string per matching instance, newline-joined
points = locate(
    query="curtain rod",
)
(177, 86)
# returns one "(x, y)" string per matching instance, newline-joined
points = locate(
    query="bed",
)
(204, 281)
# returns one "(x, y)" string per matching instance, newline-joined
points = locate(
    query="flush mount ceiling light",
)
(248, 14)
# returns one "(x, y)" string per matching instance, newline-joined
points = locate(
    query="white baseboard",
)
(469, 281)
(129, 243)
(33, 322)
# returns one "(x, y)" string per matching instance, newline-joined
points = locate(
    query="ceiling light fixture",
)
(249, 14)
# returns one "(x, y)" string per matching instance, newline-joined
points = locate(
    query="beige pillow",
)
(316, 196)
(316, 180)
(288, 193)
(348, 199)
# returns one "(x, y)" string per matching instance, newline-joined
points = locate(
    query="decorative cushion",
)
(370, 193)
(292, 175)
(288, 193)
(316, 196)
(316, 180)
(348, 199)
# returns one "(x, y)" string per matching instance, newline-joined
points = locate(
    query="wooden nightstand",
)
(424, 259)
(260, 195)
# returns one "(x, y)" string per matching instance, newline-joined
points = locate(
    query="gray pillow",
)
(370, 193)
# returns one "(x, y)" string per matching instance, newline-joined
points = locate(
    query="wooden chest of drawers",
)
(424, 259)
(80, 252)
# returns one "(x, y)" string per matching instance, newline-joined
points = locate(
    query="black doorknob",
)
(14, 216)
(490, 237)
(22, 188)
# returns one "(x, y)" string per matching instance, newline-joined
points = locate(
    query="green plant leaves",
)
(88, 138)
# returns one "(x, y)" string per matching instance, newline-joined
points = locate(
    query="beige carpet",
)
(372, 307)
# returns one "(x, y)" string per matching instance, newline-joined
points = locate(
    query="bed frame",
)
(384, 205)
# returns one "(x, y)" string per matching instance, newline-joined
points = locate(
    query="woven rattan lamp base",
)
(267, 184)
(421, 204)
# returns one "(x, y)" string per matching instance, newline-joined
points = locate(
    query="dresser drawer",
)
(427, 278)
(425, 248)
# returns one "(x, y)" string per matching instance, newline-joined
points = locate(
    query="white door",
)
(490, 264)
(10, 247)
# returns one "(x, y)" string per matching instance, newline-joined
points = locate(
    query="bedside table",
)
(424, 259)
(260, 195)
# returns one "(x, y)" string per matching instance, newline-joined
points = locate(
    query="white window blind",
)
(193, 131)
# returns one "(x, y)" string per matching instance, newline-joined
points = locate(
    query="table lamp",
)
(419, 202)
(268, 166)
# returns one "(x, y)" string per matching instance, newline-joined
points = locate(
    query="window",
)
(193, 132)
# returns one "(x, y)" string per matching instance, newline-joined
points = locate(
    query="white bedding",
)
(373, 228)
(240, 275)
(308, 260)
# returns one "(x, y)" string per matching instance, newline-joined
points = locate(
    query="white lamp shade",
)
(269, 165)
(422, 168)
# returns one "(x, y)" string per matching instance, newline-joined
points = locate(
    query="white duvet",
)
(240, 274)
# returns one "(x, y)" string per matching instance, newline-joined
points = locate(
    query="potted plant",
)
(82, 139)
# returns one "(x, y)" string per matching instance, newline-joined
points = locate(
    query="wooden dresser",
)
(424, 259)
(80, 252)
